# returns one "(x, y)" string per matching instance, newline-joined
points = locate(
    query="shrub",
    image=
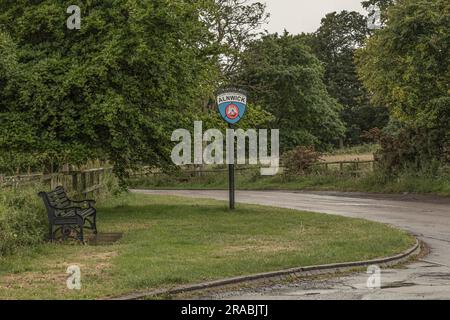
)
(110, 188)
(300, 159)
(23, 220)
(414, 148)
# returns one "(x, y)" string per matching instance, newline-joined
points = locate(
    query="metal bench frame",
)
(68, 215)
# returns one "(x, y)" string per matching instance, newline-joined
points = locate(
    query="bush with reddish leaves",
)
(300, 159)
(414, 148)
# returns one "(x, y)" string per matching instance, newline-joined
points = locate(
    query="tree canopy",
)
(112, 90)
(335, 43)
(382, 4)
(136, 70)
(406, 67)
(286, 79)
(412, 77)
(235, 24)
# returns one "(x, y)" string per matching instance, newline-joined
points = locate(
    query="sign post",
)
(232, 105)
(231, 184)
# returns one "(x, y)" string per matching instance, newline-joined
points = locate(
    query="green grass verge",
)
(325, 181)
(170, 241)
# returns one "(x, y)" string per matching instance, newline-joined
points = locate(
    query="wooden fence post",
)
(75, 182)
(92, 181)
(83, 183)
(97, 180)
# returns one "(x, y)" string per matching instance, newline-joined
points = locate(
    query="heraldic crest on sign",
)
(232, 105)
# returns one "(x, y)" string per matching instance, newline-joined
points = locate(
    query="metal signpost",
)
(232, 105)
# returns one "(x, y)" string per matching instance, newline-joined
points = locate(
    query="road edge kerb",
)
(299, 271)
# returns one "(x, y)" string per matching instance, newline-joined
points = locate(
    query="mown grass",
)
(170, 241)
(411, 182)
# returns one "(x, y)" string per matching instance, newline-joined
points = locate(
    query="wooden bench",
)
(66, 215)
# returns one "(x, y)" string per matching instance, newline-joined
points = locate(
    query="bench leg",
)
(51, 236)
(80, 235)
(92, 223)
(95, 224)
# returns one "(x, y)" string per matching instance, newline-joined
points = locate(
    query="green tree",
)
(284, 77)
(383, 5)
(406, 67)
(114, 89)
(334, 43)
(234, 23)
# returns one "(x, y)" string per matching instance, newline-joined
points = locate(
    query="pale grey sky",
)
(304, 15)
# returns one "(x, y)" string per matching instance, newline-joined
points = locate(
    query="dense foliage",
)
(286, 79)
(116, 89)
(335, 43)
(112, 90)
(406, 67)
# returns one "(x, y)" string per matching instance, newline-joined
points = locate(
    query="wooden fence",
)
(354, 166)
(89, 182)
(85, 182)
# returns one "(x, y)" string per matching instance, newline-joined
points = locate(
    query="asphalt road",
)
(426, 217)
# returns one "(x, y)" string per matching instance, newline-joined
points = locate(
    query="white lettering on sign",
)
(230, 97)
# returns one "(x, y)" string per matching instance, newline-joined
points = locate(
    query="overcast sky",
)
(298, 16)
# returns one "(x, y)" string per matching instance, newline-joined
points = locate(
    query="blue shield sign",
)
(232, 105)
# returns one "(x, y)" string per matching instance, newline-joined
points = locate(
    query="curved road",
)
(426, 217)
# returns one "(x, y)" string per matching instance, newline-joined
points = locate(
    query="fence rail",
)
(84, 182)
(355, 164)
(349, 166)
(87, 182)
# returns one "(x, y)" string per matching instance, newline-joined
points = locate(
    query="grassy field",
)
(347, 157)
(356, 150)
(331, 180)
(170, 241)
(358, 153)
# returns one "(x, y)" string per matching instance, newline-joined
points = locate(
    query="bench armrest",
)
(76, 209)
(89, 202)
